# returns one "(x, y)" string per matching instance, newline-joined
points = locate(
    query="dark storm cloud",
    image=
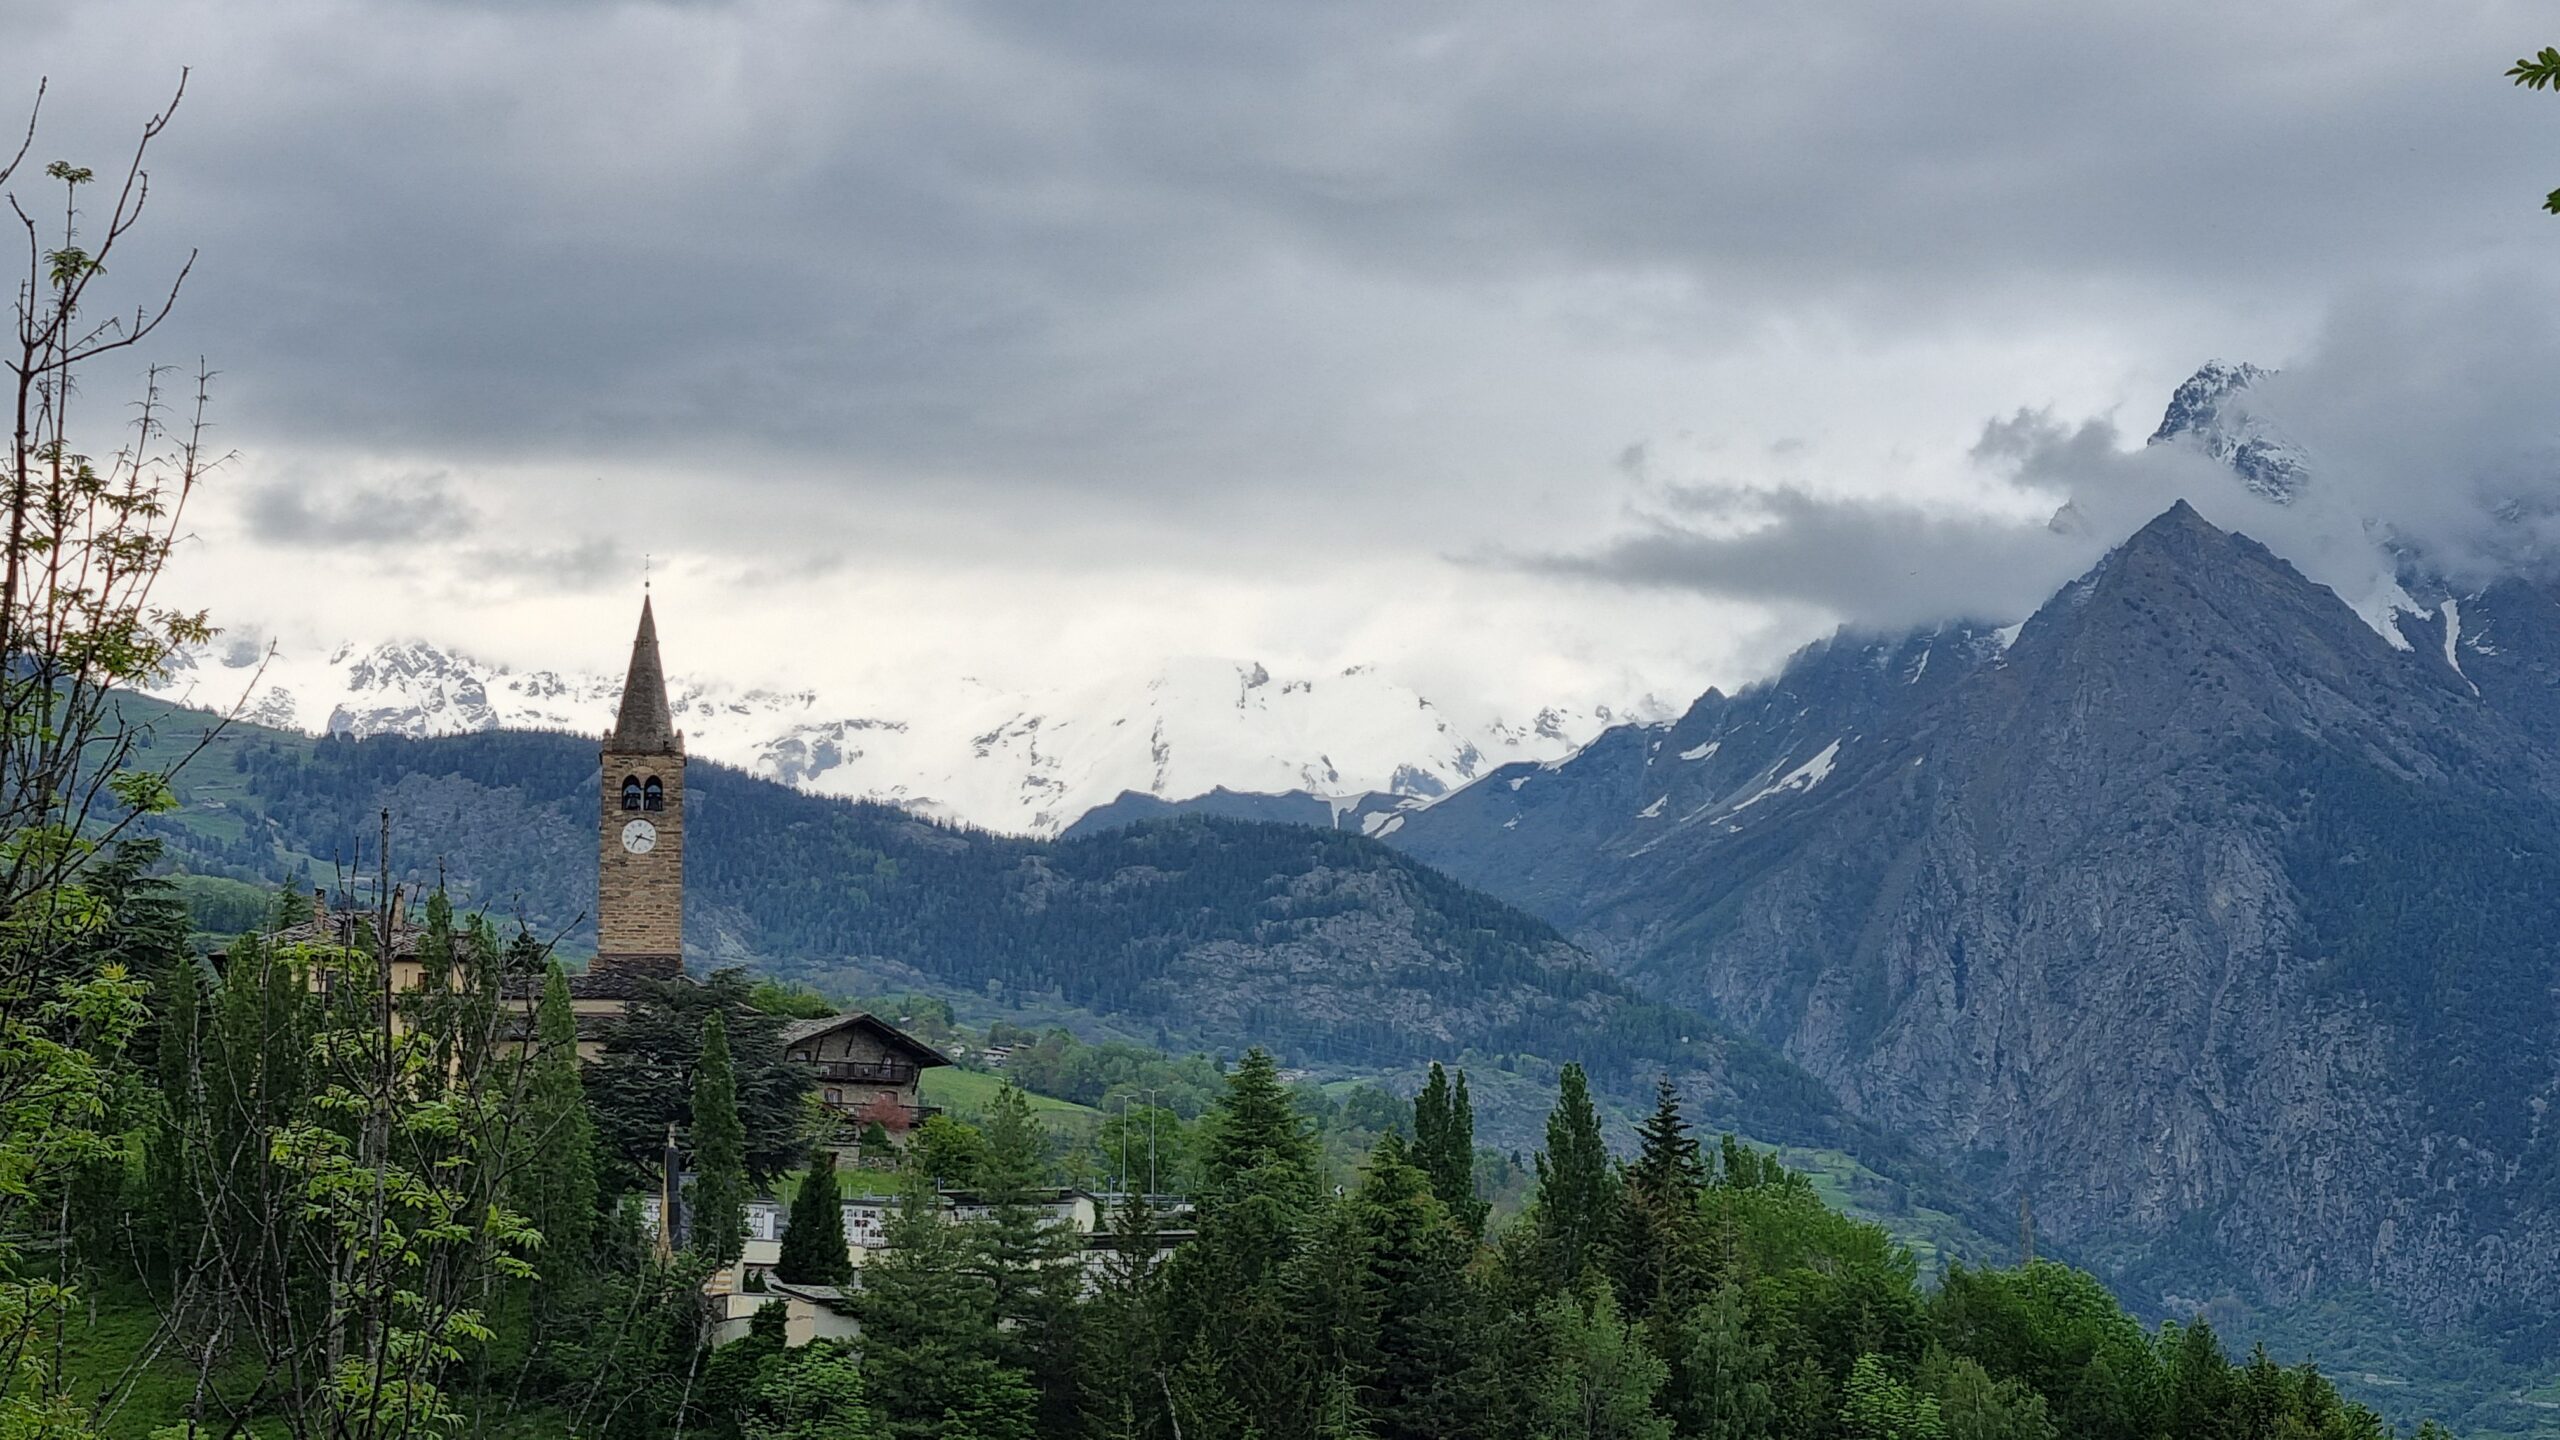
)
(1122, 246)
(1876, 562)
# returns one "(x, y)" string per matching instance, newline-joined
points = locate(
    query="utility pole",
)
(2026, 1230)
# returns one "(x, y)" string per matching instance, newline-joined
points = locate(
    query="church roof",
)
(645, 723)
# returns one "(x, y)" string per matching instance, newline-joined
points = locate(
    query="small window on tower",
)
(657, 795)
(630, 792)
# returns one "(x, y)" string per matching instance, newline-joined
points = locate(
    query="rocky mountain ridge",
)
(2139, 910)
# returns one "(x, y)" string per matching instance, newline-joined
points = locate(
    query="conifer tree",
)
(1257, 1140)
(1121, 1351)
(433, 1006)
(558, 1176)
(1232, 1293)
(1029, 1256)
(1416, 1289)
(1577, 1189)
(719, 1194)
(930, 1349)
(1661, 1245)
(177, 1214)
(813, 1242)
(1444, 1146)
(1465, 1206)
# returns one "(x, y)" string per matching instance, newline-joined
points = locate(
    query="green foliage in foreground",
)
(1683, 1293)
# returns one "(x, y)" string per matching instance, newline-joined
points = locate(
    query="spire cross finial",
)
(645, 561)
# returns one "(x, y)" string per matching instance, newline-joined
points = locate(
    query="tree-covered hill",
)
(1333, 950)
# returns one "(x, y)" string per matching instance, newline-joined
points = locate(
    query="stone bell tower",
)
(640, 829)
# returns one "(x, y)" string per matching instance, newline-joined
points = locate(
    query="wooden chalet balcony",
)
(864, 1072)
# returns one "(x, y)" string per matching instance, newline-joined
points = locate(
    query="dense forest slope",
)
(2194, 910)
(1331, 949)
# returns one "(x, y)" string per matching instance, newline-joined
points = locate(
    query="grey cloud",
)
(414, 513)
(583, 567)
(1038, 244)
(2424, 414)
(1875, 563)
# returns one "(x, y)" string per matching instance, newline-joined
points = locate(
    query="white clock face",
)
(639, 837)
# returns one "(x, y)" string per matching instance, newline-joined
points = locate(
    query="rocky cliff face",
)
(2191, 909)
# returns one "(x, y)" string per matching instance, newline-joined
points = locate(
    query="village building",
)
(867, 1071)
(826, 1311)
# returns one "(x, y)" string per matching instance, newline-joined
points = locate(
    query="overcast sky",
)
(1032, 340)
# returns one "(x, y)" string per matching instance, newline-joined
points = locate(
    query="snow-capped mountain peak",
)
(1019, 761)
(2212, 410)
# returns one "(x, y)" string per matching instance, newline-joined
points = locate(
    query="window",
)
(657, 795)
(631, 792)
(835, 1096)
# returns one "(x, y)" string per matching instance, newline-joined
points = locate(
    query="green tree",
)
(1444, 1145)
(1577, 1190)
(1720, 1372)
(719, 1192)
(557, 1184)
(1031, 1258)
(1879, 1407)
(1122, 1376)
(813, 1393)
(1974, 1406)
(813, 1241)
(930, 1348)
(639, 1085)
(1236, 1295)
(1599, 1379)
(1420, 1312)
(1660, 1241)
(1257, 1141)
(948, 1149)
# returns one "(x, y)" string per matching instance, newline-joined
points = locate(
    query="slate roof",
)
(799, 1030)
(645, 723)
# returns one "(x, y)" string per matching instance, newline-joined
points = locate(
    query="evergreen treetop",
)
(719, 1150)
(813, 1240)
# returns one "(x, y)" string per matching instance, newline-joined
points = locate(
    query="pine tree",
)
(813, 1242)
(1577, 1190)
(175, 1144)
(1029, 1256)
(1431, 1121)
(1419, 1302)
(719, 1194)
(930, 1348)
(1465, 1206)
(1257, 1140)
(1235, 1295)
(433, 1007)
(1120, 1354)
(558, 1184)
(1661, 1237)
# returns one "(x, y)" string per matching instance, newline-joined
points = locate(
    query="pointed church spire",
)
(645, 723)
